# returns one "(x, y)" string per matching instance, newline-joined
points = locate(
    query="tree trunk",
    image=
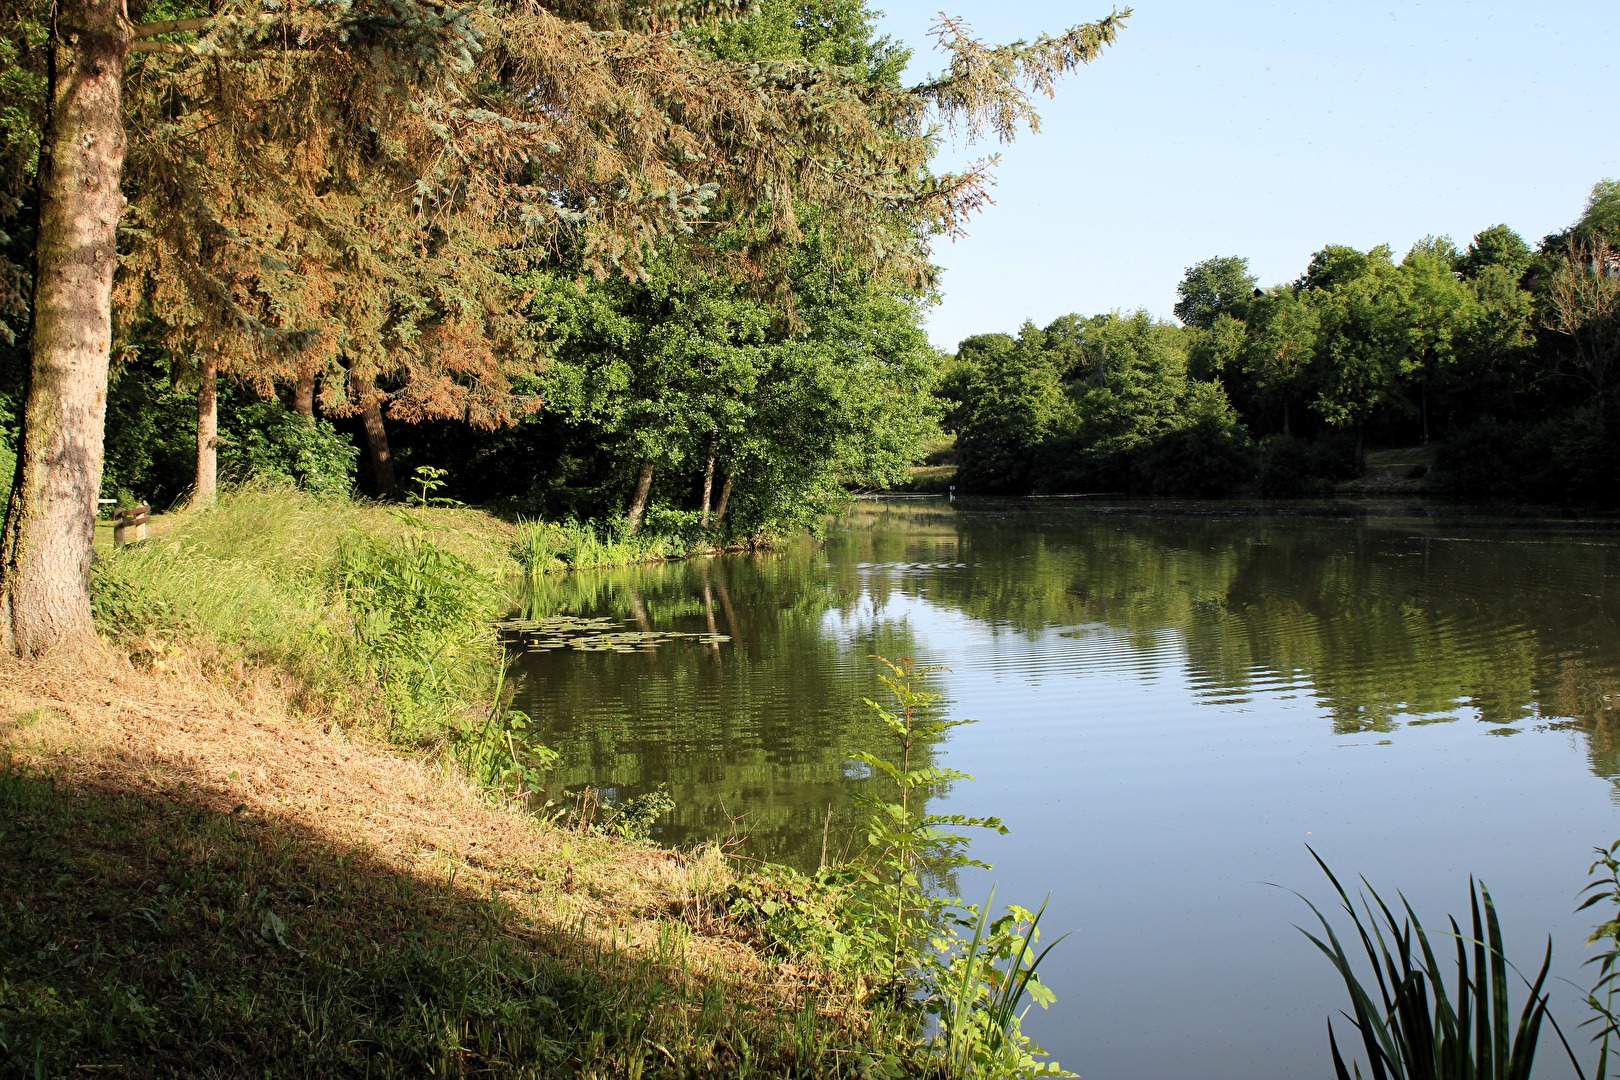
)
(638, 501)
(206, 488)
(708, 480)
(45, 548)
(382, 462)
(725, 497)
(304, 395)
(1425, 412)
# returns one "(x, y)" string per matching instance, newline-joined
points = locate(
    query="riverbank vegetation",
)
(1499, 357)
(234, 764)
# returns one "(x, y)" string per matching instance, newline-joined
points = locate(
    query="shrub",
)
(1482, 461)
(268, 442)
(1292, 467)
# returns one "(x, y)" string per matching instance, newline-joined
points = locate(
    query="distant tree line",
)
(1501, 356)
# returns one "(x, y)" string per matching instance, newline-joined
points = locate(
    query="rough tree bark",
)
(204, 491)
(382, 461)
(304, 395)
(50, 522)
(638, 501)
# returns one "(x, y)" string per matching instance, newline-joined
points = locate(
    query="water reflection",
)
(1383, 621)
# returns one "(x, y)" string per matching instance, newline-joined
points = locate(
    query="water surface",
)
(1173, 702)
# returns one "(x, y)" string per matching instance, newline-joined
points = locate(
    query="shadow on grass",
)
(152, 935)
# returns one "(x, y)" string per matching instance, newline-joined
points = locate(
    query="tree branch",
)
(171, 26)
(164, 47)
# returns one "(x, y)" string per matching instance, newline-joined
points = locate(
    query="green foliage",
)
(1291, 467)
(633, 818)
(420, 622)
(1604, 888)
(990, 975)
(907, 845)
(381, 617)
(1014, 403)
(1496, 246)
(1207, 452)
(1415, 1029)
(1212, 288)
(151, 439)
(1099, 404)
(428, 480)
(545, 547)
(887, 916)
(1443, 346)
(269, 443)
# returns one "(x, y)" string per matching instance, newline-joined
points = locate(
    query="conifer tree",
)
(329, 186)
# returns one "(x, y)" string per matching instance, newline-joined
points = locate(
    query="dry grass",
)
(119, 728)
(330, 830)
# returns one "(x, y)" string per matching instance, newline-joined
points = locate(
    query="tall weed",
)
(888, 917)
(546, 547)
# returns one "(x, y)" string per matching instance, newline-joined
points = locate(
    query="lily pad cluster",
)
(592, 635)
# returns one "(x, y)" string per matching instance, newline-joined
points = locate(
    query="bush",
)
(266, 441)
(1571, 458)
(1291, 467)
(1568, 458)
(1481, 461)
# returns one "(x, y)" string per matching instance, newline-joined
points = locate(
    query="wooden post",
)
(129, 524)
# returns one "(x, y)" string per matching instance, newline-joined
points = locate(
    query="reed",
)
(1417, 1029)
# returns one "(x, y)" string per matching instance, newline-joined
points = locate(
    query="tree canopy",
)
(353, 189)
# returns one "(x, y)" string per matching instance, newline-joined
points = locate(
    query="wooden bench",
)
(129, 524)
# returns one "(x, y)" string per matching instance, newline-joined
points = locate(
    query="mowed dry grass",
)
(110, 726)
(353, 824)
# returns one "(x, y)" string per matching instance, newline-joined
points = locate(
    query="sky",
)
(1268, 130)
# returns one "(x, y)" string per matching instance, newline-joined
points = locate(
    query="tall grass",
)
(376, 614)
(547, 547)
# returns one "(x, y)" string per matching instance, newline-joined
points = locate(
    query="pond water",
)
(1173, 702)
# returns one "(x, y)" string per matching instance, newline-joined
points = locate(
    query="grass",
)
(545, 547)
(271, 834)
(373, 616)
(275, 834)
(195, 886)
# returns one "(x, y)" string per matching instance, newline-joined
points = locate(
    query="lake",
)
(1173, 702)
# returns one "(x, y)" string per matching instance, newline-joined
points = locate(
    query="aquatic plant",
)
(1604, 887)
(548, 547)
(1415, 1029)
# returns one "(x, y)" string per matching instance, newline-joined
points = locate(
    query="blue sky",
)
(1268, 130)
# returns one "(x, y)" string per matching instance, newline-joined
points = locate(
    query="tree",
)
(1213, 287)
(1363, 349)
(1013, 406)
(1495, 246)
(391, 136)
(1437, 307)
(1281, 346)
(1583, 307)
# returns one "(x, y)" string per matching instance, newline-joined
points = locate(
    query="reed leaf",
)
(1414, 1028)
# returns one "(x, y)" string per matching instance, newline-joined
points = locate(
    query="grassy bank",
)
(277, 830)
(200, 885)
(270, 835)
